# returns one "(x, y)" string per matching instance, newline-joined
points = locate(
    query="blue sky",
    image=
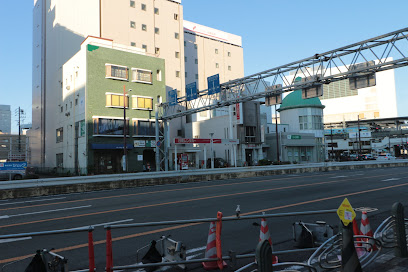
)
(273, 33)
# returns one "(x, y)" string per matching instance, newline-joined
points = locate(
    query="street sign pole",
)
(157, 138)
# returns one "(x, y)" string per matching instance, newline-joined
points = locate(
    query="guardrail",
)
(232, 257)
(90, 229)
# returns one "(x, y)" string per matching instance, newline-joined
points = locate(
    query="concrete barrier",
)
(53, 186)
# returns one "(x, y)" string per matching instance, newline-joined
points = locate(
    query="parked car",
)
(218, 163)
(368, 157)
(385, 157)
(4, 175)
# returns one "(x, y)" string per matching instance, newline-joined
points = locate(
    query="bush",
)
(264, 162)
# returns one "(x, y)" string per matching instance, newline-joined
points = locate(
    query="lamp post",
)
(124, 159)
(331, 137)
(212, 152)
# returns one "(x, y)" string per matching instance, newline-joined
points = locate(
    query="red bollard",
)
(218, 241)
(91, 253)
(109, 257)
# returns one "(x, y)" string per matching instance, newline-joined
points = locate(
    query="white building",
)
(5, 119)
(157, 27)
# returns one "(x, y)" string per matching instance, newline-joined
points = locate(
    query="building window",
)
(196, 61)
(177, 73)
(132, 44)
(185, 43)
(157, 50)
(195, 46)
(176, 35)
(196, 76)
(229, 68)
(156, 30)
(143, 76)
(310, 122)
(144, 27)
(60, 135)
(250, 134)
(109, 126)
(229, 54)
(76, 101)
(132, 4)
(143, 7)
(116, 72)
(217, 65)
(144, 47)
(59, 160)
(216, 50)
(132, 24)
(62, 108)
(158, 75)
(156, 11)
(114, 100)
(175, 16)
(185, 59)
(185, 74)
(142, 103)
(177, 55)
(144, 127)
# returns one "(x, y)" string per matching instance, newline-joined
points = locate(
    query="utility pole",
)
(359, 138)
(331, 137)
(125, 161)
(21, 116)
(277, 135)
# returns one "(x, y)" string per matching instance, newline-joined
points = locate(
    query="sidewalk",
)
(388, 262)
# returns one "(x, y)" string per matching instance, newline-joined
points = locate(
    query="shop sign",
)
(139, 143)
(294, 137)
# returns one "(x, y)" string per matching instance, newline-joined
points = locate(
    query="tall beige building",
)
(157, 26)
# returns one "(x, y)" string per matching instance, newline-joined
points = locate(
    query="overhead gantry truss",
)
(388, 51)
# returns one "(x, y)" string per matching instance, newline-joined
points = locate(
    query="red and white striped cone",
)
(211, 250)
(365, 229)
(265, 235)
(356, 231)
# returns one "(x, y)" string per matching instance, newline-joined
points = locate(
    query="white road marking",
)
(391, 179)
(195, 249)
(2, 241)
(57, 210)
(193, 256)
(30, 201)
(112, 223)
(339, 177)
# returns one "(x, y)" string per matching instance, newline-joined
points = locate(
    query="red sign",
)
(196, 141)
(237, 111)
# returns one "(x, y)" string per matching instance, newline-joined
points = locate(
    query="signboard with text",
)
(205, 141)
(13, 166)
(191, 91)
(346, 212)
(173, 97)
(213, 84)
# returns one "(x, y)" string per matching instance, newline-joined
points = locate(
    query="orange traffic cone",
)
(211, 250)
(356, 231)
(265, 235)
(365, 229)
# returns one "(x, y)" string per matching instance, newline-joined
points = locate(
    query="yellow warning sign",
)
(346, 212)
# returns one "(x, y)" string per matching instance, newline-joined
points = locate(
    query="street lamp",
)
(124, 159)
(212, 152)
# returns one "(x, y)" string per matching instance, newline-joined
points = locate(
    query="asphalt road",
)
(378, 188)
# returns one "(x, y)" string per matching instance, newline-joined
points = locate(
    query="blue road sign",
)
(158, 143)
(173, 97)
(213, 84)
(12, 166)
(191, 91)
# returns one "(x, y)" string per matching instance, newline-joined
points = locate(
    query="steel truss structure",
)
(388, 51)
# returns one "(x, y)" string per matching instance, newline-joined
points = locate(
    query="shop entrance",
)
(107, 161)
(149, 160)
(248, 157)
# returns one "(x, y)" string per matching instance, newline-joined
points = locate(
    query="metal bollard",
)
(109, 257)
(349, 258)
(91, 253)
(397, 212)
(264, 256)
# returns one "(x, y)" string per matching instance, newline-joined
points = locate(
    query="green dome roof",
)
(294, 100)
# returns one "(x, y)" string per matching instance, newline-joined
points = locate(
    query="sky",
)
(273, 33)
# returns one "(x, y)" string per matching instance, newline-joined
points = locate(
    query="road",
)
(378, 188)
